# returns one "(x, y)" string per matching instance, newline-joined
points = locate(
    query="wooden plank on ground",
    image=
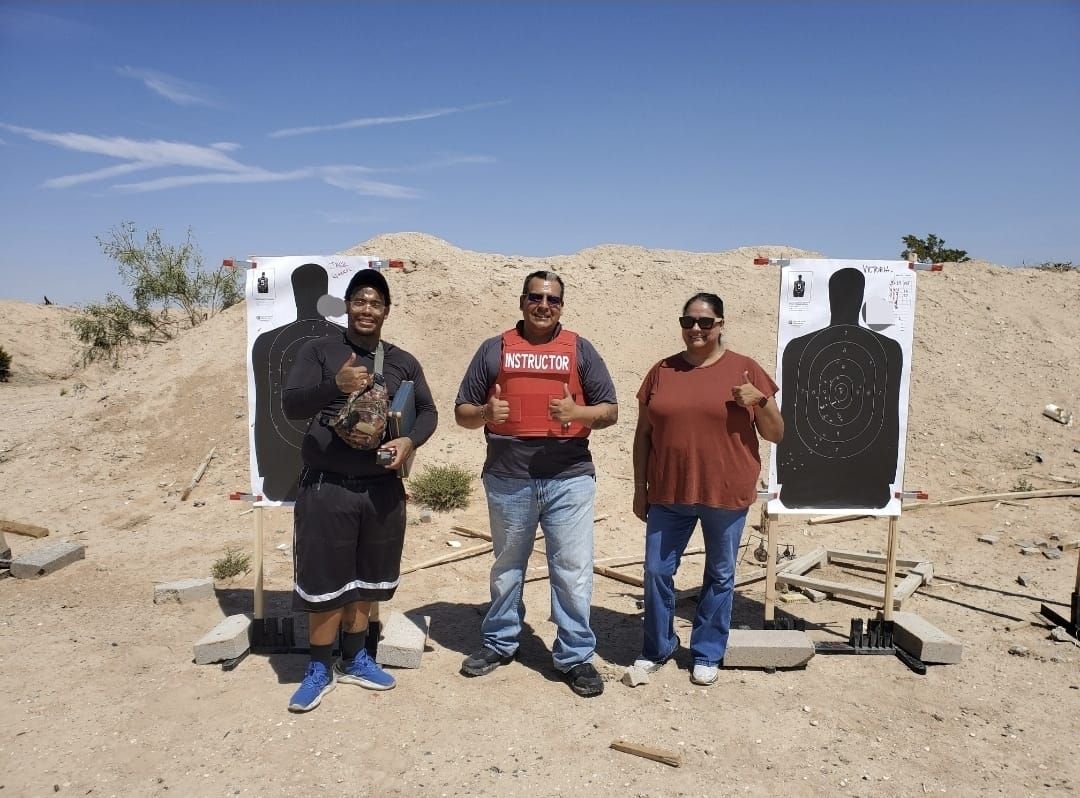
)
(198, 475)
(907, 586)
(28, 530)
(866, 556)
(803, 564)
(835, 588)
(460, 554)
(672, 758)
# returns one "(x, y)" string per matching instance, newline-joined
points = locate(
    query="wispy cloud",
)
(171, 88)
(372, 121)
(210, 165)
(154, 151)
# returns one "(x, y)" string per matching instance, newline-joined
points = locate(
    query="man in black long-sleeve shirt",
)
(350, 511)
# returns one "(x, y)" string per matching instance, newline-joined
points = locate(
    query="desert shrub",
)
(1060, 267)
(442, 487)
(5, 365)
(233, 563)
(932, 249)
(170, 289)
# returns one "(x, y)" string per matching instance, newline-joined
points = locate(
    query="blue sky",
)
(534, 129)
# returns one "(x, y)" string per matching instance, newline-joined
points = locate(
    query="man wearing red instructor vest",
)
(538, 390)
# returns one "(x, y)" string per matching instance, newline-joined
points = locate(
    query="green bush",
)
(1060, 267)
(234, 563)
(932, 249)
(162, 278)
(5, 365)
(442, 487)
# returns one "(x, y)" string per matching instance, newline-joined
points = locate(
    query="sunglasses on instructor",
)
(536, 299)
(704, 322)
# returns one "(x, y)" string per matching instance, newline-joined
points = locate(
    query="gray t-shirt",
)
(536, 458)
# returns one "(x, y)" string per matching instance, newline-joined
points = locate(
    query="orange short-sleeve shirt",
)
(704, 444)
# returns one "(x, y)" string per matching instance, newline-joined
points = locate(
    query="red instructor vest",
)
(530, 375)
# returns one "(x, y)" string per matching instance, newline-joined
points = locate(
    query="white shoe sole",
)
(705, 682)
(316, 702)
(346, 678)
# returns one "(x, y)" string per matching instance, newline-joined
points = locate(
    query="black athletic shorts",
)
(347, 539)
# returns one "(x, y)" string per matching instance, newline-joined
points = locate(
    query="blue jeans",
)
(563, 508)
(667, 532)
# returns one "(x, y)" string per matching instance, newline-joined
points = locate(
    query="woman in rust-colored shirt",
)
(696, 459)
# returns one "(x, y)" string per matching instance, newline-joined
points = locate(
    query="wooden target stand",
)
(792, 574)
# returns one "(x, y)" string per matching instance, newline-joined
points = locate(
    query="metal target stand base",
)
(1071, 626)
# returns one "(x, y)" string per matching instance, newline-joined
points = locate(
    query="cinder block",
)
(47, 559)
(403, 639)
(184, 591)
(768, 648)
(227, 640)
(919, 637)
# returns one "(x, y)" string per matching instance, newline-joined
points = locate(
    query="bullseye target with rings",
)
(841, 385)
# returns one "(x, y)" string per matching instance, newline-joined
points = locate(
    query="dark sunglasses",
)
(704, 322)
(536, 299)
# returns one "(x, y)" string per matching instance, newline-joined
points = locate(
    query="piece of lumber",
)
(618, 576)
(471, 533)
(908, 585)
(802, 564)
(992, 497)
(28, 530)
(460, 554)
(740, 581)
(835, 588)
(198, 475)
(865, 556)
(666, 757)
(637, 559)
(833, 519)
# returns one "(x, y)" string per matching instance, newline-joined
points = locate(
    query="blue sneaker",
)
(318, 681)
(365, 672)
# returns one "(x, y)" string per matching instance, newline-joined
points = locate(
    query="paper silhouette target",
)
(302, 301)
(843, 388)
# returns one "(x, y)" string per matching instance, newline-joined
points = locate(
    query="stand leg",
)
(258, 561)
(890, 570)
(770, 566)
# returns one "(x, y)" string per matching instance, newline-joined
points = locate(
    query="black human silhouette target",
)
(841, 381)
(839, 397)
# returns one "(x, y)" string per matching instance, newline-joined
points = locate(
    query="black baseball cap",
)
(368, 277)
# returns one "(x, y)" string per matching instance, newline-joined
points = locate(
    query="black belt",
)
(311, 476)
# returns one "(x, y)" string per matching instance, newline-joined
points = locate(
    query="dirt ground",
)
(102, 697)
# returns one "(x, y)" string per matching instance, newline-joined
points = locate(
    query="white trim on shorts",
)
(356, 583)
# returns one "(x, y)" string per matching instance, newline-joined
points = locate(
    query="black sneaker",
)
(483, 662)
(584, 680)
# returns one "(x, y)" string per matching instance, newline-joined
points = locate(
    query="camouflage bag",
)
(361, 423)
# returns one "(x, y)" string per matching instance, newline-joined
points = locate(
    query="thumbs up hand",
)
(746, 394)
(351, 377)
(563, 408)
(497, 409)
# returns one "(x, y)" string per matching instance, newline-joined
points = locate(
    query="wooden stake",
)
(655, 754)
(890, 570)
(198, 475)
(258, 564)
(29, 530)
(768, 529)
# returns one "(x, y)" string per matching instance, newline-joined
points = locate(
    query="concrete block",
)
(47, 559)
(403, 639)
(922, 639)
(768, 648)
(184, 591)
(228, 639)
